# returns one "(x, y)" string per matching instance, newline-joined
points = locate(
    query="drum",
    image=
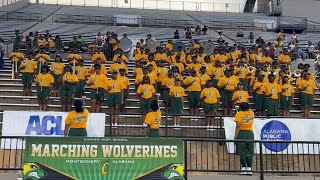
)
(152, 45)
(208, 48)
(179, 45)
(125, 44)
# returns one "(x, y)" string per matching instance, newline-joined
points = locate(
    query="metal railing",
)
(213, 155)
(21, 16)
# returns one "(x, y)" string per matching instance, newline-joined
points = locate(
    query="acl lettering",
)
(48, 125)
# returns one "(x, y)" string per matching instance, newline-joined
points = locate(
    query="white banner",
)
(280, 129)
(28, 123)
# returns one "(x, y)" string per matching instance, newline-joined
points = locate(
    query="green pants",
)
(56, 84)
(26, 78)
(194, 99)
(209, 108)
(114, 100)
(97, 94)
(159, 88)
(226, 96)
(125, 95)
(166, 97)
(272, 106)
(154, 133)
(77, 132)
(43, 93)
(306, 100)
(79, 88)
(259, 102)
(214, 82)
(245, 149)
(176, 105)
(285, 102)
(67, 90)
(145, 105)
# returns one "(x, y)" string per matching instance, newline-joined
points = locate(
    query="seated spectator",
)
(176, 34)
(239, 32)
(220, 38)
(310, 50)
(259, 41)
(251, 37)
(198, 30)
(294, 37)
(204, 30)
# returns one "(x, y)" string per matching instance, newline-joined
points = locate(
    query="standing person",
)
(240, 95)
(126, 84)
(58, 43)
(97, 82)
(16, 57)
(176, 93)
(307, 88)
(76, 121)
(115, 97)
(44, 82)
(258, 95)
(167, 83)
(210, 97)
(68, 80)
(56, 70)
(2, 48)
(82, 73)
(244, 121)
(74, 57)
(193, 85)
(286, 96)
(271, 91)
(145, 92)
(28, 68)
(153, 120)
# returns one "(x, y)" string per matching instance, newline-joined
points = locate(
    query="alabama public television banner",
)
(50, 124)
(280, 129)
(103, 158)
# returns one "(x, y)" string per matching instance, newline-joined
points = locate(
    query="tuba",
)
(296, 73)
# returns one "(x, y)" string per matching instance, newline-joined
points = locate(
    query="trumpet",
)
(250, 70)
(296, 73)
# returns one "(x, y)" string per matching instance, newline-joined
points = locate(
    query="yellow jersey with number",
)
(77, 120)
(176, 91)
(153, 119)
(193, 83)
(57, 68)
(240, 96)
(98, 80)
(210, 95)
(245, 118)
(29, 66)
(272, 89)
(44, 80)
(82, 72)
(114, 86)
(69, 77)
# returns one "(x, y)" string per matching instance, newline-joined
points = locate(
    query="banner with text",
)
(28, 123)
(103, 158)
(280, 129)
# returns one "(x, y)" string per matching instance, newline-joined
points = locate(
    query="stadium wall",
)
(14, 6)
(301, 8)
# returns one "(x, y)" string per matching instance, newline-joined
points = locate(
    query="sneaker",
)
(249, 171)
(144, 124)
(242, 171)
(178, 126)
(112, 124)
(115, 124)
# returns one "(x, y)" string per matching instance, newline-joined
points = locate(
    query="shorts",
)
(215, 82)
(43, 93)
(114, 100)
(77, 132)
(194, 99)
(285, 102)
(97, 94)
(154, 133)
(272, 106)
(27, 78)
(209, 107)
(67, 90)
(56, 84)
(166, 97)
(226, 96)
(159, 88)
(79, 88)
(176, 105)
(145, 105)
(306, 100)
(259, 102)
(245, 148)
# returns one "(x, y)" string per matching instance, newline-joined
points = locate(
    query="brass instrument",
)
(296, 73)
(250, 70)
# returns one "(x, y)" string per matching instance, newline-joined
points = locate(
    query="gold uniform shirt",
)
(176, 91)
(241, 96)
(77, 57)
(310, 85)
(217, 73)
(204, 78)
(245, 118)
(123, 57)
(162, 72)
(162, 56)
(168, 82)
(57, 68)
(139, 79)
(284, 59)
(17, 58)
(287, 90)
(193, 83)
(44, 80)
(100, 55)
(169, 47)
(211, 95)
(77, 120)
(146, 91)
(102, 71)
(45, 57)
(125, 81)
(257, 85)
(29, 66)
(153, 119)
(71, 78)
(117, 67)
(265, 59)
(138, 57)
(241, 72)
(114, 86)
(231, 83)
(82, 72)
(180, 66)
(98, 80)
(272, 88)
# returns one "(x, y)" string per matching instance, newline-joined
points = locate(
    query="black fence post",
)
(110, 124)
(166, 125)
(185, 144)
(261, 161)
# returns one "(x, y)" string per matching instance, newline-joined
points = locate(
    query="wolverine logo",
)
(104, 168)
